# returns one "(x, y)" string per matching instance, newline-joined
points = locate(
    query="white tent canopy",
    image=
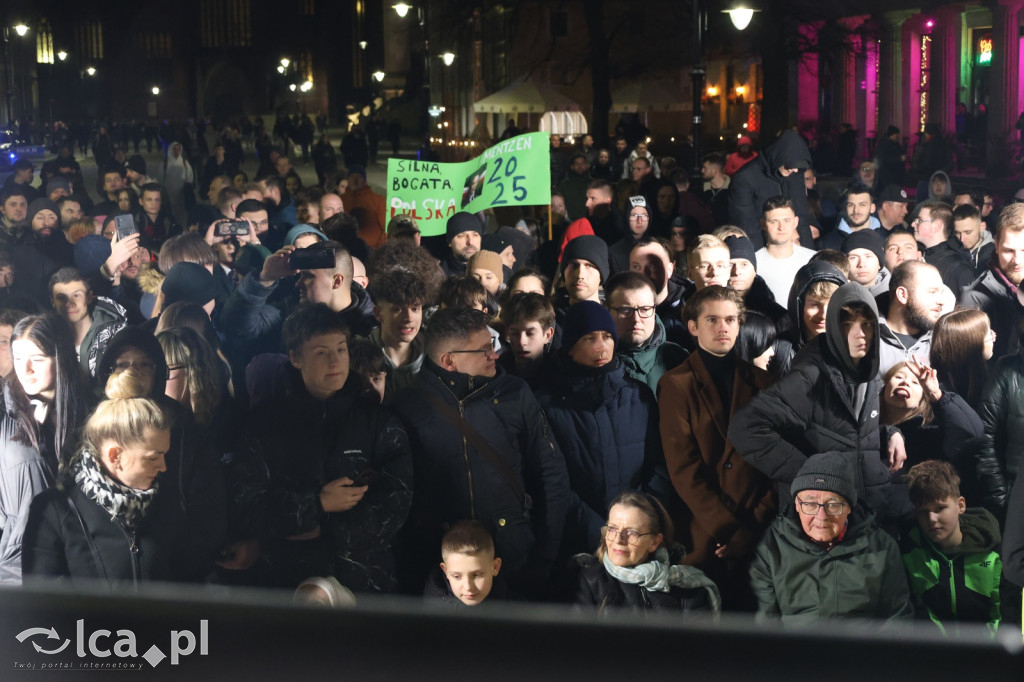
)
(564, 123)
(524, 97)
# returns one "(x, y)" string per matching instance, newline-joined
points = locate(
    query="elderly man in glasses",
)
(482, 450)
(825, 557)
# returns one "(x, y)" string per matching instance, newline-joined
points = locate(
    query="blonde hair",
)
(126, 414)
(184, 347)
(704, 241)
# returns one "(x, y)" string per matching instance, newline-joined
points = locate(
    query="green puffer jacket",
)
(960, 584)
(799, 581)
(647, 363)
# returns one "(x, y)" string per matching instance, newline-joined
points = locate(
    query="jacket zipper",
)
(465, 448)
(133, 550)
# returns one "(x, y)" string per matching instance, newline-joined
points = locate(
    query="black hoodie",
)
(814, 271)
(760, 180)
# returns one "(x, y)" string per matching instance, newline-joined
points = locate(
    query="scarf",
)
(125, 504)
(658, 576)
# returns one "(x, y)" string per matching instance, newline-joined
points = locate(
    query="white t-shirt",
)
(778, 273)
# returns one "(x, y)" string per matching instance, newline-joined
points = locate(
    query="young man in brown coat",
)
(730, 503)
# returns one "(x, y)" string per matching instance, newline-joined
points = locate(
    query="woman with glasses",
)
(45, 402)
(606, 424)
(193, 485)
(634, 566)
(824, 556)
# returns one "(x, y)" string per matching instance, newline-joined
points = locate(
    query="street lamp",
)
(62, 55)
(740, 16)
(362, 44)
(378, 76)
(448, 58)
(90, 70)
(21, 30)
(292, 87)
(155, 90)
(306, 87)
(401, 9)
(285, 62)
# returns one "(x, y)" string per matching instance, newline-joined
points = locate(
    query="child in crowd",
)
(951, 556)
(529, 321)
(468, 572)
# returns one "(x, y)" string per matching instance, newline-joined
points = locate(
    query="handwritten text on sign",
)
(514, 172)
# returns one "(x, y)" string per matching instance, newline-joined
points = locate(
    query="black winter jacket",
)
(993, 294)
(1001, 408)
(454, 481)
(597, 589)
(810, 410)
(70, 536)
(606, 426)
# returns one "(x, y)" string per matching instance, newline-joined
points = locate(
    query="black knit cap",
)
(741, 247)
(188, 282)
(462, 222)
(583, 318)
(865, 239)
(590, 248)
(828, 471)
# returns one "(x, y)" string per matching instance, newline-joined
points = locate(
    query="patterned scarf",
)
(658, 576)
(125, 504)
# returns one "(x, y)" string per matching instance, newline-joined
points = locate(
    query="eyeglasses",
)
(811, 508)
(639, 217)
(489, 349)
(611, 533)
(917, 220)
(125, 365)
(626, 312)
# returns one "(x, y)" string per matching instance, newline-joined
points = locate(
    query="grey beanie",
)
(829, 471)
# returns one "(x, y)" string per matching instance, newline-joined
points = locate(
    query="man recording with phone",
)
(253, 321)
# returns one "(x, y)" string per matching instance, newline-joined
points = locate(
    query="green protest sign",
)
(514, 172)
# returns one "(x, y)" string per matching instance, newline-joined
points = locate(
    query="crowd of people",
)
(734, 396)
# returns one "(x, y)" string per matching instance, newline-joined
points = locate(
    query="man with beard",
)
(463, 235)
(859, 205)
(915, 304)
(995, 292)
(13, 211)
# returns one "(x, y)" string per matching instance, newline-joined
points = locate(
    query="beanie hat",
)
(486, 260)
(58, 183)
(136, 163)
(590, 248)
(495, 241)
(188, 282)
(828, 471)
(462, 222)
(299, 230)
(91, 251)
(741, 247)
(865, 239)
(583, 318)
(38, 205)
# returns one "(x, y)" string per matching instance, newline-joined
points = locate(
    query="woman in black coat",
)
(633, 568)
(101, 523)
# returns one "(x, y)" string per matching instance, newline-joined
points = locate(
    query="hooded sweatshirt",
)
(957, 584)
(948, 196)
(814, 271)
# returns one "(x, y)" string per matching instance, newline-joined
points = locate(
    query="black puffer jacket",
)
(812, 410)
(70, 536)
(760, 180)
(1001, 408)
(996, 296)
(454, 481)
